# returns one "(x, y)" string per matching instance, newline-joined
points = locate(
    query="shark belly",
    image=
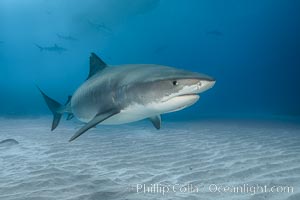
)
(122, 118)
(131, 113)
(136, 112)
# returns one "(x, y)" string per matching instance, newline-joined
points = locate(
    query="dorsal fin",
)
(96, 65)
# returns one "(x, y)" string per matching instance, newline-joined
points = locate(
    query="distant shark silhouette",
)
(8, 142)
(128, 93)
(54, 48)
(99, 27)
(64, 37)
(215, 33)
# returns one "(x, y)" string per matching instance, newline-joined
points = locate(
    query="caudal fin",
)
(55, 107)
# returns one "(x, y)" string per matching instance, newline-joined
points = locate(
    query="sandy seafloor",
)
(109, 161)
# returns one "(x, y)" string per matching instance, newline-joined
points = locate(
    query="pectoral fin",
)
(97, 119)
(156, 121)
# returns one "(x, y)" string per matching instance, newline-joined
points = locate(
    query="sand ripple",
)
(109, 161)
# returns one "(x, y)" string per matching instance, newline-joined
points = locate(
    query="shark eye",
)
(175, 83)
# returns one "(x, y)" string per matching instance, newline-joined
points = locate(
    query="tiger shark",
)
(128, 93)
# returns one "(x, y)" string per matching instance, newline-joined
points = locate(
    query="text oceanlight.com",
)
(213, 188)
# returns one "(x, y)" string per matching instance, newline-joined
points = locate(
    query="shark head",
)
(179, 93)
(169, 89)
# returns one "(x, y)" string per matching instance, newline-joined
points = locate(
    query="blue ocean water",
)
(252, 48)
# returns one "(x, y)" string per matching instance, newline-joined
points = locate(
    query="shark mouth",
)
(194, 97)
(180, 102)
(181, 96)
(185, 95)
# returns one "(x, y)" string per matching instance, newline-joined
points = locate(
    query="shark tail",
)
(38, 46)
(56, 108)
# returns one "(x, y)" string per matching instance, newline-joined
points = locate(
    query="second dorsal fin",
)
(96, 65)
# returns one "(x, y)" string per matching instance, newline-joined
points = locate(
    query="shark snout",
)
(204, 85)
